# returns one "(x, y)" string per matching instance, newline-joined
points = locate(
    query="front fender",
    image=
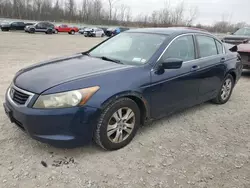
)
(129, 94)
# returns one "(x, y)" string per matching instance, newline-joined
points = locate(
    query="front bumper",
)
(69, 127)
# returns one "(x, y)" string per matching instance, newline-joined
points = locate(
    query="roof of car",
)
(168, 30)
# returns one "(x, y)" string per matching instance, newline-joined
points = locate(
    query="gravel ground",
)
(205, 146)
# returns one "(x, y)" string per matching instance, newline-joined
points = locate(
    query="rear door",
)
(20, 26)
(211, 65)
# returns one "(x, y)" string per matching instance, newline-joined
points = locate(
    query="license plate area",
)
(9, 113)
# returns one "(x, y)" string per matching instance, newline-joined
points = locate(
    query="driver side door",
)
(175, 89)
(40, 27)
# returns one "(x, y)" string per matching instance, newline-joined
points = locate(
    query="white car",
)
(93, 32)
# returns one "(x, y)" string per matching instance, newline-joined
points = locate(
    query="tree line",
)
(108, 12)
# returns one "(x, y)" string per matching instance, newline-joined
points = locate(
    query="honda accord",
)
(107, 92)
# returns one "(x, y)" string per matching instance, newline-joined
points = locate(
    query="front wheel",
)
(72, 32)
(5, 29)
(49, 31)
(32, 30)
(118, 124)
(225, 91)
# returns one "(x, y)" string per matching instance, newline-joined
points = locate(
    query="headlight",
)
(66, 99)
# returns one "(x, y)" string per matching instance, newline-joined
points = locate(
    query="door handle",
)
(195, 67)
(223, 59)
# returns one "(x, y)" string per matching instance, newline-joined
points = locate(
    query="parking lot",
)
(205, 146)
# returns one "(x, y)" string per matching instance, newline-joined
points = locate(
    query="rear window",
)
(206, 46)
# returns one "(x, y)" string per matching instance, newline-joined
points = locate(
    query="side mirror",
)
(171, 63)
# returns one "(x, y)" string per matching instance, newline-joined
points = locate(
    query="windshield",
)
(130, 48)
(243, 31)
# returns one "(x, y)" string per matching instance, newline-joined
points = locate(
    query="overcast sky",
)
(209, 10)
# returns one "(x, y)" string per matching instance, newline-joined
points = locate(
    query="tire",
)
(32, 30)
(102, 35)
(5, 29)
(226, 89)
(49, 31)
(56, 31)
(115, 140)
(72, 32)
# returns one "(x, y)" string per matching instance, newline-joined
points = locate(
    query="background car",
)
(94, 32)
(67, 29)
(7, 26)
(81, 30)
(241, 38)
(45, 27)
(114, 31)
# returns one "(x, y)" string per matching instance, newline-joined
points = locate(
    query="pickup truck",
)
(66, 29)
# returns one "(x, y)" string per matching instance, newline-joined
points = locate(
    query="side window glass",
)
(14, 24)
(219, 47)
(247, 32)
(181, 48)
(207, 46)
(40, 25)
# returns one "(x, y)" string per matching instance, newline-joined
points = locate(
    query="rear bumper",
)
(65, 128)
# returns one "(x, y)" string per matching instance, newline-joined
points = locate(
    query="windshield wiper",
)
(110, 59)
(85, 53)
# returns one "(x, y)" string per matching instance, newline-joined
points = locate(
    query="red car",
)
(66, 28)
(241, 38)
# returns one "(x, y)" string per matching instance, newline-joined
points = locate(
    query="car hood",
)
(40, 77)
(235, 39)
(5, 24)
(29, 26)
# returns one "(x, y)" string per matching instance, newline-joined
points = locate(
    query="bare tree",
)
(193, 13)
(111, 4)
(123, 9)
(37, 5)
(128, 14)
(70, 9)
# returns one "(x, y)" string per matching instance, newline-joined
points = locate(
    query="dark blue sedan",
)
(106, 93)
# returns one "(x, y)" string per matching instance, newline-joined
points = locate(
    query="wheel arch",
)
(232, 72)
(137, 98)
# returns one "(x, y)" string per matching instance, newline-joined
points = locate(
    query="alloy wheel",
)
(226, 89)
(121, 125)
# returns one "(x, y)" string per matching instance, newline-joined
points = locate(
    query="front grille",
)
(18, 96)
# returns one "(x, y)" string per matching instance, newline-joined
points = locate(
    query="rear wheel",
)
(225, 90)
(118, 124)
(56, 31)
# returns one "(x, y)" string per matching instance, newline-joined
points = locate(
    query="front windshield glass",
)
(130, 48)
(243, 31)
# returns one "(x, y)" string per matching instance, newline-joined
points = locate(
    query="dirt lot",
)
(206, 146)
